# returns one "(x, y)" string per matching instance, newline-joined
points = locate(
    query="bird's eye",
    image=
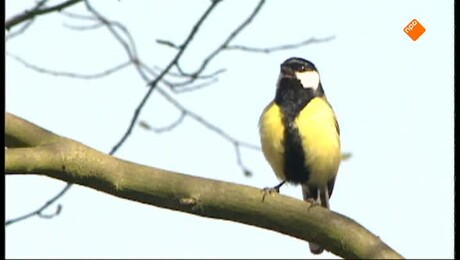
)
(301, 68)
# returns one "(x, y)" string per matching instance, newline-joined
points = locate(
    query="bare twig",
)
(154, 83)
(27, 24)
(169, 127)
(114, 28)
(31, 14)
(39, 211)
(197, 73)
(224, 45)
(168, 43)
(129, 45)
(84, 27)
(172, 84)
(70, 74)
(57, 212)
(281, 47)
(181, 74)
(207, 79)
(19, 31)
(80, 16)
(192, 88)
(239, 160)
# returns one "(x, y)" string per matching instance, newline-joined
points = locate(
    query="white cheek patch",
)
(309, 79)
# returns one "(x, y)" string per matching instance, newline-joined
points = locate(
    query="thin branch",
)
(19, 31)
(281, 47)
(179, 87)
(168, 43)
(239, 160)
(193, 76)
(154, 83)
(181, 73)
(174, 86)
(129, 46)
(39, 211)
(84, 27)
(224, 45)
(192, 88)
(70, 74)
(48, 216)
(167, 128)
(31, 14)
(175, 60)
(27, 24)
(80, 16)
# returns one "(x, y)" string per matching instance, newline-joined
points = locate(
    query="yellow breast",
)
(271, 130)
(317, 128)
(316, 125)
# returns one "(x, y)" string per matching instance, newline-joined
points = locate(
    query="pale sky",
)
(394, 99)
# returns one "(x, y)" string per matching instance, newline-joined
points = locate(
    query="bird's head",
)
(302, 70)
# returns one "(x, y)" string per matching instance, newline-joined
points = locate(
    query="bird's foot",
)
(313, 202)
(270, 190)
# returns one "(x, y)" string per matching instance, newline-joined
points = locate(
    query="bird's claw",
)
(269, 190)
(313, 202)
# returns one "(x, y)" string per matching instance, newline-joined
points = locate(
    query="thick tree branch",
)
(64, 159)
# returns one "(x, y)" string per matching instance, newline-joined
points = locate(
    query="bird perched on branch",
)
(300, 135)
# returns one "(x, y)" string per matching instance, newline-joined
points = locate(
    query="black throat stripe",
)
(291, 97)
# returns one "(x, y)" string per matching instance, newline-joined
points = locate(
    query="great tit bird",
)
(300, 135)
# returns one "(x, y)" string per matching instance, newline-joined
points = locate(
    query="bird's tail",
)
(321, 196)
